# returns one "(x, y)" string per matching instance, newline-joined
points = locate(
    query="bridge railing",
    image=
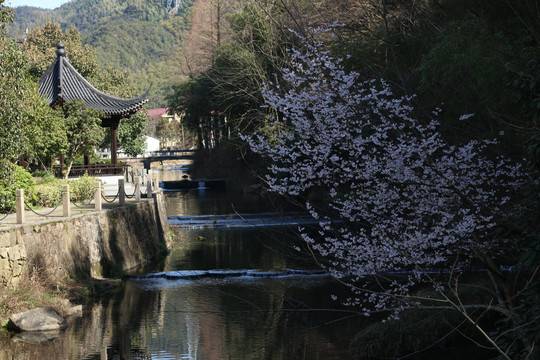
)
(169, 153)
(91, 170)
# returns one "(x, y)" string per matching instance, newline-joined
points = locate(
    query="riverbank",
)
(39, 290)
(44, 262)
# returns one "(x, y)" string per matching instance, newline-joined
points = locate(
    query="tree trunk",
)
(70, 163)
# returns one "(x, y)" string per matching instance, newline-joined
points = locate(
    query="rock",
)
(41, 319)
(75, 311)
(68, 309)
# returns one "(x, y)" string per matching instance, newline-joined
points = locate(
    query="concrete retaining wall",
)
(97, 244)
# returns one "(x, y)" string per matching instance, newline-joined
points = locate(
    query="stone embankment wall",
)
(97, 244)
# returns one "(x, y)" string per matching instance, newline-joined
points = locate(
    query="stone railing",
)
(92, 244)
(66, 204)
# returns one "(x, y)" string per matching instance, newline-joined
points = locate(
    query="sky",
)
(44, 4)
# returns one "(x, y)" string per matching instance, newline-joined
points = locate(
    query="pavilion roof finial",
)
(60, 51)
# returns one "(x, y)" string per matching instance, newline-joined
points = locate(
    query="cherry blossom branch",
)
(397, 195)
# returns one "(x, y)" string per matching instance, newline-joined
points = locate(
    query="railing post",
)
(65, 200)
(137, 182)
(121, 192)
(19, 204)
(97, 196)
(149, 189)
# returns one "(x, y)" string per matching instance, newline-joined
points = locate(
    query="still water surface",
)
(275, 316)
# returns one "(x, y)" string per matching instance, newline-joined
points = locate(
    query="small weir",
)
(241, 220)
(175, 185)
(221, 274)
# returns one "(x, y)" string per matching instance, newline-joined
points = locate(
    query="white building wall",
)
(151, 144)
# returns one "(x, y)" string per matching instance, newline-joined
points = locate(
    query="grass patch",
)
(38, 290)
(33, 291)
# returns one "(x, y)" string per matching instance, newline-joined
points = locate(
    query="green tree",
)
(232, 85)
(195, 96)
(131, 131)
(13, 90)
(44, 130)
(168, 132)
(83, 129)
(6, 17)
(40, 49)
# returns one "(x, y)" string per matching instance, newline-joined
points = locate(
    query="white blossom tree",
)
(400, 202)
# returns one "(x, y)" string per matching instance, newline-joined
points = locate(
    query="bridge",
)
(163, 155)
(120, 168)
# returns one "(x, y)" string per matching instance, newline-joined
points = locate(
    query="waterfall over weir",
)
(241, 220)
(228, 274)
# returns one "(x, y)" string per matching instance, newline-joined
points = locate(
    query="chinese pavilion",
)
(62, 83)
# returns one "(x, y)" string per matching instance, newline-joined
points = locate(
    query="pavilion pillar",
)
(114, 146)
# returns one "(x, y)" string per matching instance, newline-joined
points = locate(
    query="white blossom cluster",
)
(405, 198)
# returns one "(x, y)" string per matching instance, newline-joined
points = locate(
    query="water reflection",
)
(267, 249)
(212, 318)
(241, 320)
(216, 202)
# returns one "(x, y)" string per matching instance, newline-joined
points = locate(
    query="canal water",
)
(236, 285)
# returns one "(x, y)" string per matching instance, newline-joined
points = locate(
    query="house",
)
(151, 144)
(167, 125)
(164, 113)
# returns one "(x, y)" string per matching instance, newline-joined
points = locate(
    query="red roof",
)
(158, 112)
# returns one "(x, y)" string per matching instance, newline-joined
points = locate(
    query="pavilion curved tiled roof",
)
(61, 83)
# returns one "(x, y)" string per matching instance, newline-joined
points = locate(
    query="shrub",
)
(82, 189)
(19, 179)
(7, 200)
(49, 191)
(47, 194)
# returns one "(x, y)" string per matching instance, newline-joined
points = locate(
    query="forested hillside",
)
(143, 37)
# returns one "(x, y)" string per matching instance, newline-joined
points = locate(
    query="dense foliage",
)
(130, 133)
(226, 97)
(411, 185)
(44, 132)
(83, 129)
(19, 179)
(13, 90)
